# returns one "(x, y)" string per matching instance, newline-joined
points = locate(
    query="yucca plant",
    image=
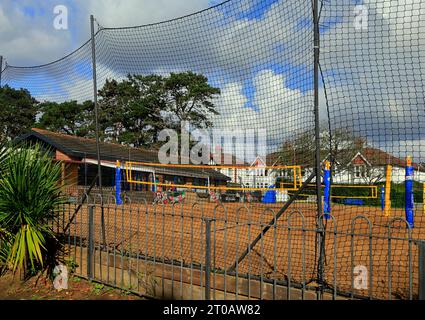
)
(29, 194)
(5, 241)
(4, 234)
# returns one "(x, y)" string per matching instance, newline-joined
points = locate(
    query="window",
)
(359, 171)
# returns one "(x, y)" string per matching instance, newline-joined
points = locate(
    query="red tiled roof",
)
(374, 156)
(377, 157)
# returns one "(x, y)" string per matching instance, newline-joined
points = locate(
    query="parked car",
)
(254, 196)
(230, 196)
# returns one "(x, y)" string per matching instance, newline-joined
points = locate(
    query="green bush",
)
(29, 193)
(397, 194)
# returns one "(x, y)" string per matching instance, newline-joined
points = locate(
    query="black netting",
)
(259, 57)
(259, 54)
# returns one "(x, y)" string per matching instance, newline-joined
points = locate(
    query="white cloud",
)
(374, 77)
(376, 90)
(124, 13)
(25, 40)
(31, 39)
(282, 112)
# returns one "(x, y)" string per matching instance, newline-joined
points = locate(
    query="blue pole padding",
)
(118, 185)
(383, 198)
(327, 191)
(153, 185)
(409, 196)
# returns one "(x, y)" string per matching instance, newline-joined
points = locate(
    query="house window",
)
(359, 171)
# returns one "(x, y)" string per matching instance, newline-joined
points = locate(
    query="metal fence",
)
(188, 251)
(336, 80)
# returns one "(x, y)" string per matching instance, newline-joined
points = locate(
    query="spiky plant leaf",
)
(29, 193)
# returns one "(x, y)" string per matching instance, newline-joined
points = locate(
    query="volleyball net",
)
(223, 178)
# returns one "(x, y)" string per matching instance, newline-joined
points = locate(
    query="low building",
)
(253, 175)
(257, 174)
(366, 167)
(369, 166)
(79, 162)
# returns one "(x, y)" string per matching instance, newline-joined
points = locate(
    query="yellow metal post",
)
(300, 178)
(387, 209)
(423, 197)
(327, 165)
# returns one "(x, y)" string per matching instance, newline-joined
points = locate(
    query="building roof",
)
(377, 157)
(80, 148)
(372, 156)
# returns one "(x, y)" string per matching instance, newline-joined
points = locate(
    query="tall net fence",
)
(372, 66)
(247, 66)
(258, 54)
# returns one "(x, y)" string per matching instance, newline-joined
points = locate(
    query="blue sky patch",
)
(256, 9)
(29, 11)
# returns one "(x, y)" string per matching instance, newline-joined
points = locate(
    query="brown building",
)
(79, 162)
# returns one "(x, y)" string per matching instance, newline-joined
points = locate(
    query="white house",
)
(254, 175)
(365, 167)
(369, 166)
(257, 174)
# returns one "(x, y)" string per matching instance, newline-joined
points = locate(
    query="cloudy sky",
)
(28, 36)
(258, 52)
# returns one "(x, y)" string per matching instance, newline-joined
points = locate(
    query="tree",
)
(339, 148)
(130, 110)
(68, 117)
(134, 110)
(189, 98)
(18, 112)
(300, 150)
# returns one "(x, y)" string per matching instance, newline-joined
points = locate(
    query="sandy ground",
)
(286, 250)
